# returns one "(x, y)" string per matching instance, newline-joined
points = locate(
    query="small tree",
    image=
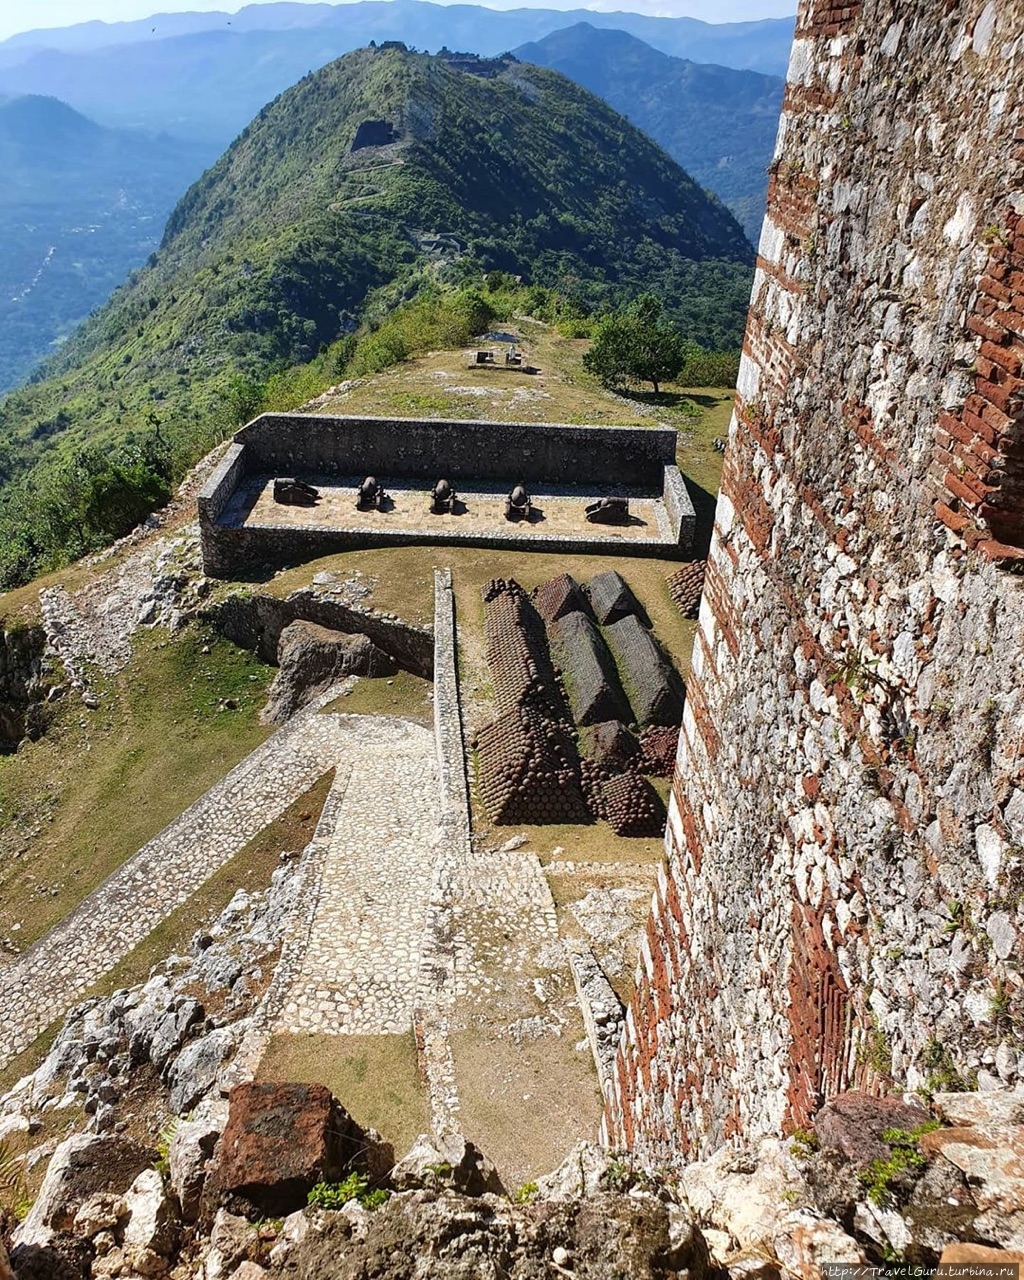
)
(635, 345)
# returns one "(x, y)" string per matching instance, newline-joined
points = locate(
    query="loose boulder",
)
(854, 1124)
(280, 1140)
(152, 1230)
(191, 1147)
(311, 658)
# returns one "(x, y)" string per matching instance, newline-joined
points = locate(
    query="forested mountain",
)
(205, 75)
(719, 123)
(384, 172)
(80, 206)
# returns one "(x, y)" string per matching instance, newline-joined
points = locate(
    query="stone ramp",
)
(359, 968)
(48, 979)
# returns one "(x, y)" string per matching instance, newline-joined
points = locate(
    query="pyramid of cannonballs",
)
(558, 597)
(686, 586)
(631, 806)
(611, 597)
(652, 684)
(658, 747)
(529, 767)
(587, 669)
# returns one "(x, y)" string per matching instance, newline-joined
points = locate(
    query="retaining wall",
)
(841, 899)
(397, 448)
(589, 460)
(256, 621)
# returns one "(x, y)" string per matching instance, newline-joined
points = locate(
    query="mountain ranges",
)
(204, 75)
(281, 247)
(718, 122)
(80, 206)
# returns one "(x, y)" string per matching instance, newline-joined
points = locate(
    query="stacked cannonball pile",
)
(686, 586)
(558, 597)
(631, 806)
(658, 747)
(588, 673)
(528, 774)
(653, 685)
(611, 598)
(529, 768)
(516, 648)
(612, 746)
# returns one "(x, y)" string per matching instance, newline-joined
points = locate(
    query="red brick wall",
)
(846, 826)
(979, 452)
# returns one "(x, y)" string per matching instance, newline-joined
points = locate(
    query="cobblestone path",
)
(358, 973)
(55, 973)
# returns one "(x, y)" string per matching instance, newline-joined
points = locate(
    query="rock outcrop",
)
(311, 659)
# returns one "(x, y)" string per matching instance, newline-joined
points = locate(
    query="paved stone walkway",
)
(44, 982)
(359, 971)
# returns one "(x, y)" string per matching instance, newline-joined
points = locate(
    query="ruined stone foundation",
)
(841, 899)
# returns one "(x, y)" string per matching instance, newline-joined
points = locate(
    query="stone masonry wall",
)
(422, 448)
(841, 902)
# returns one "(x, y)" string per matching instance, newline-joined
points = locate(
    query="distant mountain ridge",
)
(205, 75)
(718, 122)
(286, 241)
(80, 206)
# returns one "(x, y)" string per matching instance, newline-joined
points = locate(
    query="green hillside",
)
(719, 123)
(293, 238)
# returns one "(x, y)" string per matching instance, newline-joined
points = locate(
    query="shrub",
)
(335, 1195)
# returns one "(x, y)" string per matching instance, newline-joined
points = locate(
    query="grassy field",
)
(76, 804)
(376, 1077)
(402, 694)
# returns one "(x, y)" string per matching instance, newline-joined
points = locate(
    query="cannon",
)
(518, 505)
(295, 493)
(442, 497)
(608, 511)
(371, 494)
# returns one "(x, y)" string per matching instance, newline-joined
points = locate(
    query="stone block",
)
(853, 1123)
(280, 1140)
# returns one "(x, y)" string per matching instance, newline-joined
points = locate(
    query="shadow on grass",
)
(665, 399)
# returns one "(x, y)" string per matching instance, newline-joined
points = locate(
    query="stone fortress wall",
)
(586, 460)
(841, 902)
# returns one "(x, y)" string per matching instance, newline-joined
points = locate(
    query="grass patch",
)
(376, 1078)
(31, 1056)
(77, 804)
(402, 694)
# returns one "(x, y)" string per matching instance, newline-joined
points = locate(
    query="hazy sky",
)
(26, 15)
